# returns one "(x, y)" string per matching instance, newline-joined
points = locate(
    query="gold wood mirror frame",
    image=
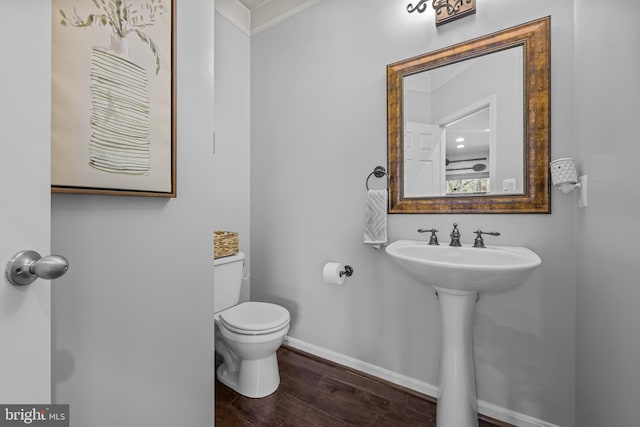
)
(534, 38)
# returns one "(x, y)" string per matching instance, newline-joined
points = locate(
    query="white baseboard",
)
(485, 408)
(367, 368)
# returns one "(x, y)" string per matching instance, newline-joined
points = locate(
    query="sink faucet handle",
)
(479, 242)
(433, 240)
(455, 236)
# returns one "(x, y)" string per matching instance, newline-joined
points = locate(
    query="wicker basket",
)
(225, 243)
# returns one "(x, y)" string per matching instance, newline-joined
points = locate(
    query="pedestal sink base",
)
(457, 404)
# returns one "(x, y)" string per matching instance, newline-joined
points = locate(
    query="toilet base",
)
(255, 378)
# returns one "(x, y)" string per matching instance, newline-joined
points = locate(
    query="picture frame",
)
(113, 97)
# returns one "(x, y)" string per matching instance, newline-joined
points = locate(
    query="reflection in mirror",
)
(468, 154)
(454, 144)
(468, 126)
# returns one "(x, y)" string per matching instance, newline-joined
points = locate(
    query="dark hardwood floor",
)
(316, 392)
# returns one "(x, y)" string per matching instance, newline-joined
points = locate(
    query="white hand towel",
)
(375, 219)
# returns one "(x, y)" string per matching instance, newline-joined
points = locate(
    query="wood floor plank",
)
(382, 390)
(224, 395)
(303, 373)
(355, 395)
(229, 418)
(421, 406)
(261, 414)
(402, 420)
(297, 359)
(318, 393)
(308, 415)
(337, 404)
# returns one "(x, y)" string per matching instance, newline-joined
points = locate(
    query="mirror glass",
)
(468, 126)
(462, 138)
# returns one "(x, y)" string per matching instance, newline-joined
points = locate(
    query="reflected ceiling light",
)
(460, 139)
(446, 10)
(460, 146)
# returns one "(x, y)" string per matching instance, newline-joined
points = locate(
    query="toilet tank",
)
(227, 281)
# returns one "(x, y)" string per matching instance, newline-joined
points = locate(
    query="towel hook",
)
(378, 172)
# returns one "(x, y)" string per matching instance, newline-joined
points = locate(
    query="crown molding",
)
(236, 13)
(275, 11)
(262, 17)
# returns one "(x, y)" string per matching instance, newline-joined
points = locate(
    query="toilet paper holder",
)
(348, 271)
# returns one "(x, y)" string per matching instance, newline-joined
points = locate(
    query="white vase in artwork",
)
(120, 46)
(119, 119)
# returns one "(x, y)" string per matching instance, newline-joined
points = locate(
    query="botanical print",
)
(128, 130)
(123, 19)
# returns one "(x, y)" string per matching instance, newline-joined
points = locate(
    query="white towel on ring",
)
(375, 219)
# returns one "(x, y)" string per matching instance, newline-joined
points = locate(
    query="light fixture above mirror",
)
(446, 10)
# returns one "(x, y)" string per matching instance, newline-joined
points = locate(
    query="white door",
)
(422, 160)
(25, 105)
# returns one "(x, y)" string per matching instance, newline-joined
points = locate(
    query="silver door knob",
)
(26, 266)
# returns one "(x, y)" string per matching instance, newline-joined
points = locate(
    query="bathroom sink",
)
(458, 274)
(465, 268)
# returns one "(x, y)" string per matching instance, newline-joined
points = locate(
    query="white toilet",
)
(247, 335)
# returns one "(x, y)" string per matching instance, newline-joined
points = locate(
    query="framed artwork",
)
(113, 112)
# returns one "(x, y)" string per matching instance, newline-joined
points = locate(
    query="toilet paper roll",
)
(331, 273)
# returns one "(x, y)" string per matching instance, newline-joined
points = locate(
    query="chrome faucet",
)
(479, 242)
(455, 236)
(433, 240)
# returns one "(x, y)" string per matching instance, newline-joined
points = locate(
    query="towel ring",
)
(378, 172)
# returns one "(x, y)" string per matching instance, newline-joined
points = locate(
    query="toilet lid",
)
(255, 317)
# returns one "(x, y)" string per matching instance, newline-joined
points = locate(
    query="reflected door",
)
(422, 160)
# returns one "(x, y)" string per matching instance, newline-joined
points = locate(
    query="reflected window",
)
(468, 186)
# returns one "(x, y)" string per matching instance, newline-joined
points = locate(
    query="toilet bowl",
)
(247, 335)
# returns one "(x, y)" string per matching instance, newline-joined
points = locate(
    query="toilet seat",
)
(254, 318)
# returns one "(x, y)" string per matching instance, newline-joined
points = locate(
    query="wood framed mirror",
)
(493, 91)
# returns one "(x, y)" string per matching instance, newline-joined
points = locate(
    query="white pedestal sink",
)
(458, 274)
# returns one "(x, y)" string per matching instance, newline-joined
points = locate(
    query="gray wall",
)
(232, 160)
(318, 123)
(607, 295)
(132, 320)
